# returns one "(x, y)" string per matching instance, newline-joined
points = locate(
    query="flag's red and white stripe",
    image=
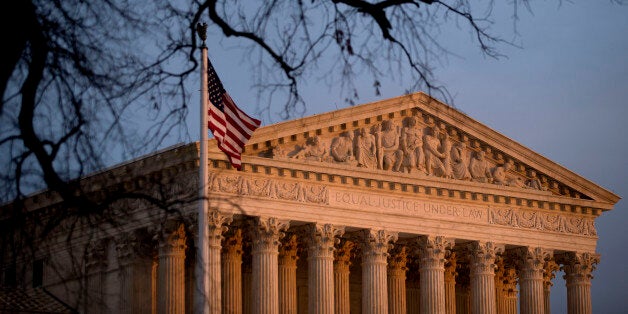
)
(231, 126)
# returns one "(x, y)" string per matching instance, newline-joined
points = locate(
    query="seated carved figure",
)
(342, 147)
(534, 182)
(478, 167)
(411, 146)
(314, 149)
(389, 155)
(459, 163)
(366, 149)
(500, 173)
(433, 163)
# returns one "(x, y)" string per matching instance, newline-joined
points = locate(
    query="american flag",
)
(231, 127)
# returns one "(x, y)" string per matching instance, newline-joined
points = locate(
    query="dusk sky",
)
(562, 93)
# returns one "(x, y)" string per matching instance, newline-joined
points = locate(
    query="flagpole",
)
(202, 284)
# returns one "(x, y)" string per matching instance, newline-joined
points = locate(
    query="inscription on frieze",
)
(407, 206)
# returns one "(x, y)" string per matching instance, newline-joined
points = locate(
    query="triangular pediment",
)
(420, 137)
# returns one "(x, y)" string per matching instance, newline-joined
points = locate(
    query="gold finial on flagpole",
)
(201, 30)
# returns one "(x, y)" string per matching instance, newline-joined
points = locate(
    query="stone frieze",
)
(269, 188)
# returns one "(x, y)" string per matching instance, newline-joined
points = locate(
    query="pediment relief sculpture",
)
(417, 145)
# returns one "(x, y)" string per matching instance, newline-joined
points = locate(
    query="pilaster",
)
(95, 268)
(375, 246)
(135, 257)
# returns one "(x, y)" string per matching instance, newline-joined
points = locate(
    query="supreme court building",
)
(404, 205)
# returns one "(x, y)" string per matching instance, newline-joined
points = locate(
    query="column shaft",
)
(482, 275)
(342, 262)
(374, 273)
(397, 281)
(171, 269)
(288, 276)
(531, 261)
(232, 274)
(432, 273)
(578, 268)
(265, 289)
(450, 284)
(321, 267)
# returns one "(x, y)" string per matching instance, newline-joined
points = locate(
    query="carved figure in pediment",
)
(366, 149)
(445, 148)
(279, 152)
(500, 173)
(342, 148)
(459, 161)
(534, 182)
(479, 168)
(314, 149)
(389, 154)
(433, 163)
(412, 145)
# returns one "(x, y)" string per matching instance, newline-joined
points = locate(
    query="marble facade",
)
(400, 206)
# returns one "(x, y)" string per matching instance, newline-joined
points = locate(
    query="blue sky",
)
(563, 93)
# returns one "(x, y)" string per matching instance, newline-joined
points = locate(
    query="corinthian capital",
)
(266, 232)
(376, 243)
(579, 266)
(482, 256)
(433, 248)
(322, 238)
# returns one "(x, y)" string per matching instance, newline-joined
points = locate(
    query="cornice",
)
(360, 179)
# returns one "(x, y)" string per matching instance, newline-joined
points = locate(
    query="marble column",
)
(171, 269)
(342, 263)
(482, 276)
(216, 222)
(549, 270)
(232, 273)
(499, 283)
(432, 250)
(375, 246)
(95, 267)
(247, 286)
(578, 268)
(508, 304)
(397, 280)
(320, 261)
(135, 258)
(413, 297)
(288, 276)
(266, 233)
(530, 262)
(463, 292)
(450, 283)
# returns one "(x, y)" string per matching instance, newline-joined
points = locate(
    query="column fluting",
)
(432, 250)
(232, 273)
(578, 268)
(342, 264)
(397, 280)
(482, 276)
(375, 246)
(266, 233)
(171, 269)
(288, 276)
(530, 262)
